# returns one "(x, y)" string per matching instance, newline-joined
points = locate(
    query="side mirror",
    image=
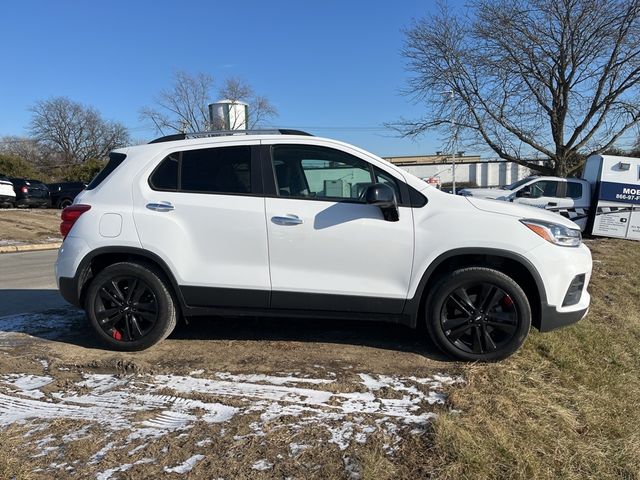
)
(383, 197)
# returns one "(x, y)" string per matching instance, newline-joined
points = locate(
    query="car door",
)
(328, 249)
(202, 211)
(541, 194)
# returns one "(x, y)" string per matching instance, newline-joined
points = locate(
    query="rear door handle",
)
(160, 207)
(287, 220)
(552, 204)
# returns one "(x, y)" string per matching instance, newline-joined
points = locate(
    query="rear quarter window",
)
(115, 159)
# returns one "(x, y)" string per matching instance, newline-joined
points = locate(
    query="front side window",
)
(208, 170)
(543, 188)
(321, 173)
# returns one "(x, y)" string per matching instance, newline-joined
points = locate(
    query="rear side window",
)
(211, 170)
(216, 170)
(115, 159)
(574, 190)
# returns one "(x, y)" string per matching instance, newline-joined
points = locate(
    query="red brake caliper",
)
(116, 334)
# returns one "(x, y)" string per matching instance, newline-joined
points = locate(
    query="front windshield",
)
(515, 185)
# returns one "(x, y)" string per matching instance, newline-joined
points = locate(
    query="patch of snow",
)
(203, 443)
(28, 385)
(137, 449)
(186, 466)
(294, 403)
(200, 371)
(297, 448)
(352, 468)
(262, 465)
(108, 474)
(259, 378)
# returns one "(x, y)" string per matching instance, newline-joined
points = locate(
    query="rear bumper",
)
(7, 199)
(68, 290)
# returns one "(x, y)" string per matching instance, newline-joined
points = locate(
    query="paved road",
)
(27, 283)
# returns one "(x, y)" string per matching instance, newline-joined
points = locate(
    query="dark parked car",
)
(31, 193)
(63, 193)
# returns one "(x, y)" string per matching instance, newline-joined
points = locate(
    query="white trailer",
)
(615, 182)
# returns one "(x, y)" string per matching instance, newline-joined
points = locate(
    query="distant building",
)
(470, 169)
(430, 159)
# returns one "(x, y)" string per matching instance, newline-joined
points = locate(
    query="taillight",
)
(69, 216)
(24, 189)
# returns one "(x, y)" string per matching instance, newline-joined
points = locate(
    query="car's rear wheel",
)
(478, 314)
(64, 203)
(130, 306)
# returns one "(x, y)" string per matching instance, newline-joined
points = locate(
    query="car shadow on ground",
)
(68, 324)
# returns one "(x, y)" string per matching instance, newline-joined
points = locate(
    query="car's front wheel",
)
(130, 306)
(478, 314)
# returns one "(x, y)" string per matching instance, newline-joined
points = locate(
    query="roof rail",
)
(225, 133)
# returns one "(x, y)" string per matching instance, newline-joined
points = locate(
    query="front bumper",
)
(551, 318)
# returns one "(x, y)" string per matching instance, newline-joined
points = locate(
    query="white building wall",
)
(483, 174)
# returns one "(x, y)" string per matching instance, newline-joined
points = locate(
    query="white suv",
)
(287, 224)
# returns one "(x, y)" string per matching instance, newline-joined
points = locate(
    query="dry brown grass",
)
(568, 404)
(29, 225)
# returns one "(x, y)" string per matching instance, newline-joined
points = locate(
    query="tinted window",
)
(165, 176)
(216, 170)
(115, 159)
(318, 172)
(543, 188)
(574, 190)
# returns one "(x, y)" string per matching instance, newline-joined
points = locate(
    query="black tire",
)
(478, 314)
(64, 203)
(130, 306)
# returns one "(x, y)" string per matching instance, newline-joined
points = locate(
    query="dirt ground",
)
(33, 225)
(221, 398)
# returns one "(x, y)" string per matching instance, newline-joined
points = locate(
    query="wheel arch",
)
(516, 266)
(97, 260)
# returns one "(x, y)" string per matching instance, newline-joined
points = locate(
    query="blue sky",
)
(322, 64)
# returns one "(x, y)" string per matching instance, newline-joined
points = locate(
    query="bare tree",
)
(25, 148)
(184, 107)
(74, 133)
(557, 79)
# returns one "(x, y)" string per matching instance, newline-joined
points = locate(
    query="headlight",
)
(554, 232)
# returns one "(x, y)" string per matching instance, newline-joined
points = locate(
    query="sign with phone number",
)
(620, 192)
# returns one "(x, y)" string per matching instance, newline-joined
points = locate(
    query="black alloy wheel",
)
(130, 306)
(478, 314)
(479, 318)
(126, 308)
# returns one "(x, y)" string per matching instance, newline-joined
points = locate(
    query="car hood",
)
(518, 210)
(486, 192)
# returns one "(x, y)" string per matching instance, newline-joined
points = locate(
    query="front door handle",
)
(160, 207)
(287, 220)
